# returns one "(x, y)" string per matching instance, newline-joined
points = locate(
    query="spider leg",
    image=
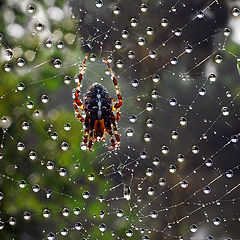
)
(117, 110)
(77, 102)
(120, 101)
(91, 134)
(86, 131)
(116, 132)
(109, 131)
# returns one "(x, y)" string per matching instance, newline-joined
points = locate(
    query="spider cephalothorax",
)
(98, 106)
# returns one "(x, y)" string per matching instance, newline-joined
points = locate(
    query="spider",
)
(98, 106)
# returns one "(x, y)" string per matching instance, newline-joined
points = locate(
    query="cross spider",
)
(98, 106)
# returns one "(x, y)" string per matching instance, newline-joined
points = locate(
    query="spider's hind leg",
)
(109, 131)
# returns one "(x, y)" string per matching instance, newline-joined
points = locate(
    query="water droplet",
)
(144, 7)
(20, 146)
(235, 12)
(174, 135)
(125, 34)
(57, 63)
(225, 111)
(152, 54)
(67, 80)
(218, 58)
(149, 123)
(27, 215)
(8, 67)
(92, 57)
(183, 121)
(131, 54)
(202, 91)
(164, 22)
(119, 63)
(54, 136)
(86, 195)
(78, 226)
(206, 189)
(149, 172)
(118, 44)
(184, 184)
(216, 221)
(178, 32)
(64, 231)
(7, 55)
(36, 188)
(20, 62)
(135, 83)
(22, 184)
(45, 98)
(227, 32)
(46, 213)
(173, 101)
(149, 107)
(212, 77)
(188, 49)
(132, 118)
(50, 236)
(65, 212)
(102, 227)
(155, 78)
(119, 212)
(229, 173)
(162, 182)
(64, 146)
(99, 3)
(62, 172)
(165, 149)
(67, 126)
(60, 44)
(172, 168)
(149, 30)
(195, 149)
(129, 233)
(141, 41)
(156, 161)
(1, 196)
(134, 22)
(91, 177)
(150, 191)
(154, 214)
(173, 60)
(31, 8)
(200, 14)
(126, 192)
(209, 162)
(116, 10)
(12, 221)
(39, 26)
(48, 43)
(193, 228)
(50, 165)
(154, 94)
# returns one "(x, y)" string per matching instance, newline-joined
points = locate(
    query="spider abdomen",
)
(97, 102)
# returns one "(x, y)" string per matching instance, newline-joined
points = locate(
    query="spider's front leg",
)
(77, 103)
(117, 110)
(120, 101)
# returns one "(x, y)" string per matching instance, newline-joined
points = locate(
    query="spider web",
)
(176, 175)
